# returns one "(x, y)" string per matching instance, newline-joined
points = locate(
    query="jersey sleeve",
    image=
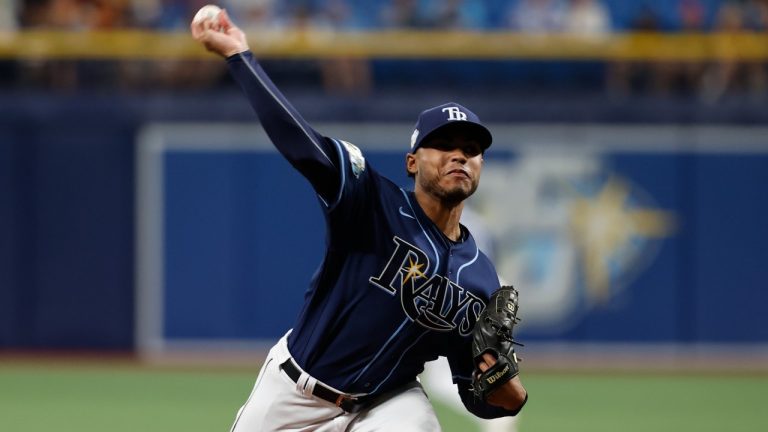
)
(312, 154)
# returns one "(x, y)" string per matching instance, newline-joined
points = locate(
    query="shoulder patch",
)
(356, 159)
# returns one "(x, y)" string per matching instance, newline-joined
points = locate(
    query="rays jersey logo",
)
(434, 302)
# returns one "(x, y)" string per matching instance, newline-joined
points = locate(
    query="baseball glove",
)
(493, 334)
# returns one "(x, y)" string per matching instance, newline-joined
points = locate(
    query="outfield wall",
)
(612, 233)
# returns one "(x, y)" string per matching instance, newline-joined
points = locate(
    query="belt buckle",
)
(346, 402)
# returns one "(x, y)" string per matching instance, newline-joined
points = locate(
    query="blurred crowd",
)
(516, 15)
(588, 17)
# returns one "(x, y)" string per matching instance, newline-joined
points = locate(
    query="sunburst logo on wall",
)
(614, 229)
(568, 230)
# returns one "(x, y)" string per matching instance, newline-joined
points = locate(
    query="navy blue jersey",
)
(392, 292)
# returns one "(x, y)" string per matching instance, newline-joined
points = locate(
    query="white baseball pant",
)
(277, 403)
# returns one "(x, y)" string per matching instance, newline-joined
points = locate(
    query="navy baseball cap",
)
(452, 115)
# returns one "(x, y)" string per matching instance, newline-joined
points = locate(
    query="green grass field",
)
(44, 397)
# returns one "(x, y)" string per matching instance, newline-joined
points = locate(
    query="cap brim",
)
(471, 129)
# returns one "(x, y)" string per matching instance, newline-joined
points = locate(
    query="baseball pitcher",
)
(402, 282)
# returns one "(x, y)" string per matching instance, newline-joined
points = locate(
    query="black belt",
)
(348, 403)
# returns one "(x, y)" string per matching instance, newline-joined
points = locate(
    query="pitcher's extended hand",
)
(228, 40)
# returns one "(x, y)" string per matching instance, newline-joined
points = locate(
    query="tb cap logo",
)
(454, 113)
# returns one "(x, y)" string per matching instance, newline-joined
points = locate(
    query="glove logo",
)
(492, 379)
(434, 302)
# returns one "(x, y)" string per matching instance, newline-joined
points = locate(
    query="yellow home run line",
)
(145, 45)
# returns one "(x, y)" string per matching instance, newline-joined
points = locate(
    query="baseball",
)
(206, 12)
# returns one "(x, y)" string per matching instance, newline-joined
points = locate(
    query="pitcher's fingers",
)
(224, 21)
(197, 29)
(489, 359)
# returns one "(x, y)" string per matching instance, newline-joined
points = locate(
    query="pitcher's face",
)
(447, 167)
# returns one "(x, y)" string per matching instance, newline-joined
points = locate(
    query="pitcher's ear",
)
(410, 164)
